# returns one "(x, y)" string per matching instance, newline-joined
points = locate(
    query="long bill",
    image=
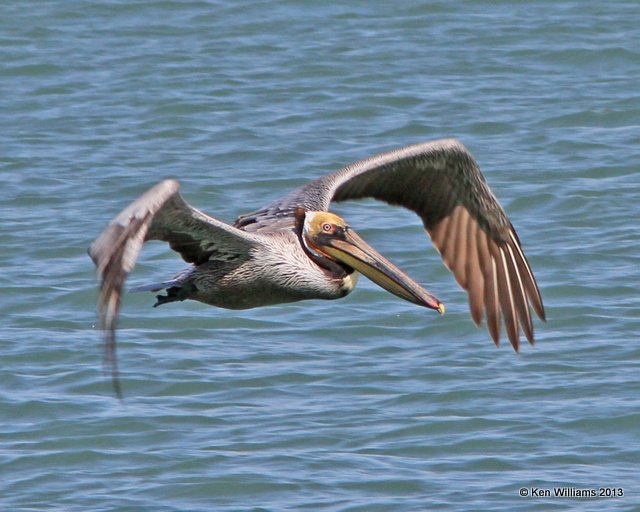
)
(355, 252)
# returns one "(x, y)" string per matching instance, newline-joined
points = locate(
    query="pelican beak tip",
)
(441, 308)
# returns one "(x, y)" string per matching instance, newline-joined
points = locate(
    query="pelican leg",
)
(175, 294)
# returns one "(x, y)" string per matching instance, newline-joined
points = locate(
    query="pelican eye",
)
(327, 228)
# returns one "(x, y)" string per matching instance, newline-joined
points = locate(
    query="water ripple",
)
(363, 404)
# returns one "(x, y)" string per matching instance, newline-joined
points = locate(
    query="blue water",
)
(363, 404)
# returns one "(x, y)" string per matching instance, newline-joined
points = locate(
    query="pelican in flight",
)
(295, 249)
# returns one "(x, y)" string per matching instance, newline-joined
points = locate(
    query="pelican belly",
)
(283, 273)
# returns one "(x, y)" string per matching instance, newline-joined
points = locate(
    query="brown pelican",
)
(294, 249)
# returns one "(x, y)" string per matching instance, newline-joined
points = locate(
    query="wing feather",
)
(492, 301)
(475, 278)
(439, 232)
(461, 254)
(519, 295)
(505, 293)
(525, 272)
(448, 249)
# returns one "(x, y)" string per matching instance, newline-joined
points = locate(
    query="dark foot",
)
(175, 294)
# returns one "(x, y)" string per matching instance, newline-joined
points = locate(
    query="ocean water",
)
(363, 404)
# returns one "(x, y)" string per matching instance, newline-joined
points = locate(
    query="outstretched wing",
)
(159, 214)
(442, 183)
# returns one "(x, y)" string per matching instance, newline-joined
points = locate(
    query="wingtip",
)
(117, 389)
(171, 183)
(514, 339)
(91, 252)
(542, 314)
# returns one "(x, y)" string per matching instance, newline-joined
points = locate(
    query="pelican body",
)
(295, 249)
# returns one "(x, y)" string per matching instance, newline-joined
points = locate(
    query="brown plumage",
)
(264, 258)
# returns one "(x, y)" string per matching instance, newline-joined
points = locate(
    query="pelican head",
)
(326, 235)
